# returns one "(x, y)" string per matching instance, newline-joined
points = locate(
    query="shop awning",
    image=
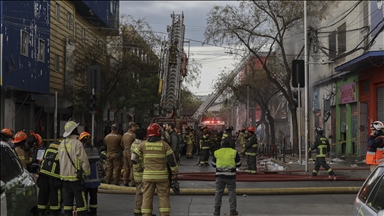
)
(367, 60)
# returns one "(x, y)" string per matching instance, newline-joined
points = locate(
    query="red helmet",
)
(187, 127)
(154, 129)
(83, 135)
(39, 140)
(19, 137)
(7, 132)
(251, 129)
(243, 129)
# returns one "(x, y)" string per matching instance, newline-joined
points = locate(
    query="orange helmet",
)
(83, 135)
(251, 129)
(19, 137)
(187, 127)
(39, 140)
(154, 129)
(7, 132)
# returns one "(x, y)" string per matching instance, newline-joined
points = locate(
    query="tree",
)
(261, 27)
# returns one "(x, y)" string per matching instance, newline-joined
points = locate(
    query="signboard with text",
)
(348, 93)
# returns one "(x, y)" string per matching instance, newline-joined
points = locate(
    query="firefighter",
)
(49, 182)
(205, 146)
(19, 141)
(226, 160)
(174, 140)
(114, 155)
(322, 149)
(188, 138)
(34, 144)
(157, 155)
(126, 142)
(251, 150)
(375, 152)
(74, 167)
(228, 135)
(243, 140)
(6, 135)
(92, 183)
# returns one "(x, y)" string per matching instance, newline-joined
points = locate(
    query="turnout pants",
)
(251, 164)
(162, 188)
(114, 168)
(92, 192)
(220, 186)
(49, 191)
(189, 150)
(204, 156)
(128, 175)
(75, 191)
(138, 198)
(320, 161)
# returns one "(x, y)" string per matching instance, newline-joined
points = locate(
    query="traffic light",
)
(92, 103)
(295, 95)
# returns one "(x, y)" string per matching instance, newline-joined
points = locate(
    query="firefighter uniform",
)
(189, 140)
(49, 182)
(157, 156)
(23, 156)
(243, 140)
(251, 151)
(138, 177)
(205, 147)
(322, 149)
(126, 142)
(114, 153)
(74, 166)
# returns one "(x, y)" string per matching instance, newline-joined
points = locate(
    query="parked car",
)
(370, 199)
(20, 191)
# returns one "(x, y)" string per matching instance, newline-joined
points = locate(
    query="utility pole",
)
(306, 79)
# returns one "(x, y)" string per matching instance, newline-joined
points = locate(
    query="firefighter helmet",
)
(377, 125)
(154, 129)
(251, 129)
(186, 127)
(7, 132)
(38, 138)
(243, 129)
(229, 128)
(19, 137)
(69, 127)
(83, 135)
(319, 130)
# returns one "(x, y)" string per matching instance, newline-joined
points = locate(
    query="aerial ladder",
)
(219, 90)
(172, 69)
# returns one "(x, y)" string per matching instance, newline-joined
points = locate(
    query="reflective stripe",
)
(164, 209)
(226, 173)
(146, 211)
(41, 206)
(154, 156)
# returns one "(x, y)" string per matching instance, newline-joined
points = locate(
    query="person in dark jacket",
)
(251, 151)
(322, 149)
(174, 141)
(226, 160)
(92, 183)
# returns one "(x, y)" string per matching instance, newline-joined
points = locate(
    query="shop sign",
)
(348, 93)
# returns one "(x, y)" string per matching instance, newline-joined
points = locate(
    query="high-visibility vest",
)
(50, 164)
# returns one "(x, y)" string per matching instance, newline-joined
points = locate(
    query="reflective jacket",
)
(243, 139)
(137, 167)
(50, 164)
(188, 138)
(375, 152)
(112, 141)
(251, 145)
(156, 154)
(205, 142)
(322, 146)
(79, 157)
(226, 160)
(23, 156)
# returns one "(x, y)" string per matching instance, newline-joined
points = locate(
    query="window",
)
(332, 45)
(112, 7)
(377, 195)
(57, 63)
(24, 43)
(10, 165)
(83, 35)
(41, 51)
(370, 185)
(341, 39)
(69, 20)
(57, 12)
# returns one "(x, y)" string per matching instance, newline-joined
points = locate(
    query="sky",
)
(158, 14)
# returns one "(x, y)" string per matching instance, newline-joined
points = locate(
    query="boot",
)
(234, 212)
(217, 211)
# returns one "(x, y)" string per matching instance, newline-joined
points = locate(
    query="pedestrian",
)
(226, 160)
(49, 182)
(322, 150)
(6, 135)
(126, 143)
(157, 156)
(375, 152)
(74, 167)
(114, 155)
(174, 140)
(21, 148)
(205, 146)
(189, 140)
(251, 151)
(92, 183)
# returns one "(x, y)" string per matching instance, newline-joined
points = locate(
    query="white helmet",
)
(377, 125)
(69, 127)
